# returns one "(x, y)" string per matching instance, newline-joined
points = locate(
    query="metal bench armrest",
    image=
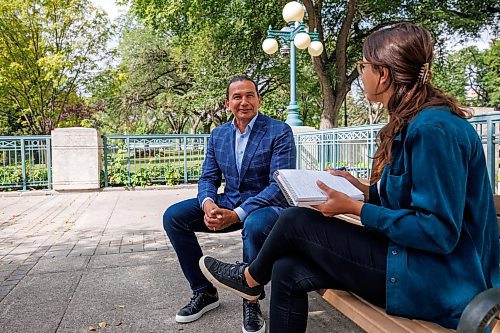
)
(480, 312)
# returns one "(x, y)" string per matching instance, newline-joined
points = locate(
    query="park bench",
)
(373, 319)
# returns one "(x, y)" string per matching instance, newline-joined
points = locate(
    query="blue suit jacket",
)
(270, 147)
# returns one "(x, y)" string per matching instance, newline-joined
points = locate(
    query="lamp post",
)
(297, 35)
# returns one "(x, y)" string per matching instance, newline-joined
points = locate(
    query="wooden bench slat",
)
(496, 327)
(404, 323)
(374, 319)
(359, 313)
(350, 218)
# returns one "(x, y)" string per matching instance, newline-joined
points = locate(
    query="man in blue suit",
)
(246, 151)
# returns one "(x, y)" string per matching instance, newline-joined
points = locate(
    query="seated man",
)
(246, 151)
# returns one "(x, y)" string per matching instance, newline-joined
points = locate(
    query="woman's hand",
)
(353, 180)
(337, 202)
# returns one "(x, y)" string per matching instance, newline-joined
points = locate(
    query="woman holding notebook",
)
(429, 240)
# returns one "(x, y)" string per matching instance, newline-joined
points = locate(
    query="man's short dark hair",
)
(238, 79)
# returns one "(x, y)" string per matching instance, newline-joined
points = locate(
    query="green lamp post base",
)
(293, 118)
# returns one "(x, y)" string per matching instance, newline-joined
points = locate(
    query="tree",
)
(148, 92)
(48, 48)
(343, 26)
(361, 111)
(471, 75)
(217, 40)
(488, 78)
(224, 37)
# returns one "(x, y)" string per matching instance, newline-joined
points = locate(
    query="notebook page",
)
(304, 185)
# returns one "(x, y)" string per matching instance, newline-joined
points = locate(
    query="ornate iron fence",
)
(141, 160)
(349, 147)
(352, 147)
(25, 162)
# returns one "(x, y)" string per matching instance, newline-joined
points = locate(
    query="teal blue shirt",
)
(436, 207)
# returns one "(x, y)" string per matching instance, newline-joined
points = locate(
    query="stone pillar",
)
(76, 158)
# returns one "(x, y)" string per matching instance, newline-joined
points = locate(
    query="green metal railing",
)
(25, 162)
(352, 147)
(488, 128)
(349, 147)
(141, 160)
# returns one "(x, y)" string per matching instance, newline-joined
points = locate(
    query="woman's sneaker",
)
(197, 306)
(229, 277)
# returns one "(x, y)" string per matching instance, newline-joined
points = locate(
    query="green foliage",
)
(450, 76)
(471, 75)
(48, 48)
(11, 175)
(489, 79)
(151, 174)
(215, 41)
(219, 39)
(148, 92)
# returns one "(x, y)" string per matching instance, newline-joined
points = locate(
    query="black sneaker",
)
(253, 321)
(229, 277)
(197, 306)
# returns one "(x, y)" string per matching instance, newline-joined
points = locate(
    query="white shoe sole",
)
(196, 316)
(262, 330)
(217, 283)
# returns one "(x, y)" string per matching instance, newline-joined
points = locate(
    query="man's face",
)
(243, 101)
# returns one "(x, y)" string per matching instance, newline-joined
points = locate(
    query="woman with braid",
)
(429, 240)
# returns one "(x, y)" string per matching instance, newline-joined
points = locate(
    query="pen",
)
(341, 169)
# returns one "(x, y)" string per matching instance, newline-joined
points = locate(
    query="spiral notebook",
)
(300, 189)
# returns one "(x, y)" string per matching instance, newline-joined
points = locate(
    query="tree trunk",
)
(195, 122)
(332, 68)
(330, 111)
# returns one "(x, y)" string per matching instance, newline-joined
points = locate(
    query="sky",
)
(110, 8)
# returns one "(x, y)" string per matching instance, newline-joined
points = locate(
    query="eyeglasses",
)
(360, 66)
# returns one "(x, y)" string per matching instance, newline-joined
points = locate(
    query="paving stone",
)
(74, 276)
(10, 282)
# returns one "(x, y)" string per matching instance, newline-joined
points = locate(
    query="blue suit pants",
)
(182, 220)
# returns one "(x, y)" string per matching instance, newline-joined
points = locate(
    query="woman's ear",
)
(385, 76)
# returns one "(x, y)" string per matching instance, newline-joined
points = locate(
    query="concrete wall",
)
(76, 158)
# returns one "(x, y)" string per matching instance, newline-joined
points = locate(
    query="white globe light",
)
(302, 40)
(316, 48)
(270, 45)
(293, 11)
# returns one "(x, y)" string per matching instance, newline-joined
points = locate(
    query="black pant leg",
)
(351, 255)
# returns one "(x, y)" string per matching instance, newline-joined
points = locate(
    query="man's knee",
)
(175, 217)
(168, 218)
(258, 224)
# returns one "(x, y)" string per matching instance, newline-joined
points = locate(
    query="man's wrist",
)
(204, 201)
(240, 213)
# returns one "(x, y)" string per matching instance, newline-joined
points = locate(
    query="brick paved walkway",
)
(43, 236)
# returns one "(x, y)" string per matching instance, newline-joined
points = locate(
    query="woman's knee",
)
(299, 275)
(283, 274)
(297, 216)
